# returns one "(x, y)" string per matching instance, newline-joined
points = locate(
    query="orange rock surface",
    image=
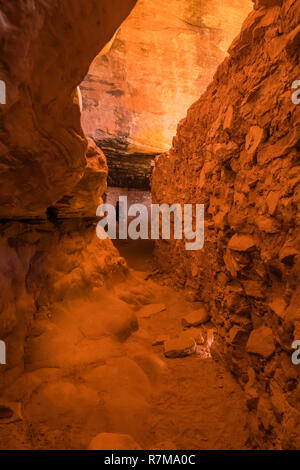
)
(83, 332)
(159, 62)
(237, 152)
(46, 49)
(86, 196)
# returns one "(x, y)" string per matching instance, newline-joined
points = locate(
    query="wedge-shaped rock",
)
(254, 138)
(180, 347)
(148, 310)
(272, 201)
(241, 243)
(195, 318)
(261, 342)
(278, 306)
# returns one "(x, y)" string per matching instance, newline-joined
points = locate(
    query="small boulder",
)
(278, 306)
(109, 441)
(272, 201)
(195, 318)
(241, 243)
(261, 342)
(254, 138)
(180, 347)
(149, 310)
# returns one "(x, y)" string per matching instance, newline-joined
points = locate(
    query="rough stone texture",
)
(43, 157)
(196, 318)
(129, 171)
(42, 145)
(237, 152)
(261, 342)
(86, 195)
(159, 62)
(65, 329)
(42, 266)
(152, 309)
(180, 347)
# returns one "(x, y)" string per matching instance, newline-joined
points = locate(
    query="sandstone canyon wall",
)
(237, 152)
(46, 49)
(158, 64)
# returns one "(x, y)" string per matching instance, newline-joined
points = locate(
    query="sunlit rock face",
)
(237, 152)
(46, 49)
(43, 264)
(86, 196)
(160, 61)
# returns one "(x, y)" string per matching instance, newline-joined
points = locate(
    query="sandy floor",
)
(92, 383)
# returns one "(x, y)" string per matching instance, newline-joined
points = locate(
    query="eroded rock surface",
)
(85, 197)
(237, 152)
(46, 49)
(43, 266)
(160, 61)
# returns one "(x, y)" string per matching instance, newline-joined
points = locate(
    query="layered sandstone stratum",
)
(160, 61)
(237, 152)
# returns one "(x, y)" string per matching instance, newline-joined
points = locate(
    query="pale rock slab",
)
(241, 243)
(149, 310)
(180, 347)
(196, 318)
(261, 342)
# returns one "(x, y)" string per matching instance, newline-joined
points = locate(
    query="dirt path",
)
(90, 370)
(197, 403)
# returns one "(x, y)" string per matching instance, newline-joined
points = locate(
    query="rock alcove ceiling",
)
(77, 318)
